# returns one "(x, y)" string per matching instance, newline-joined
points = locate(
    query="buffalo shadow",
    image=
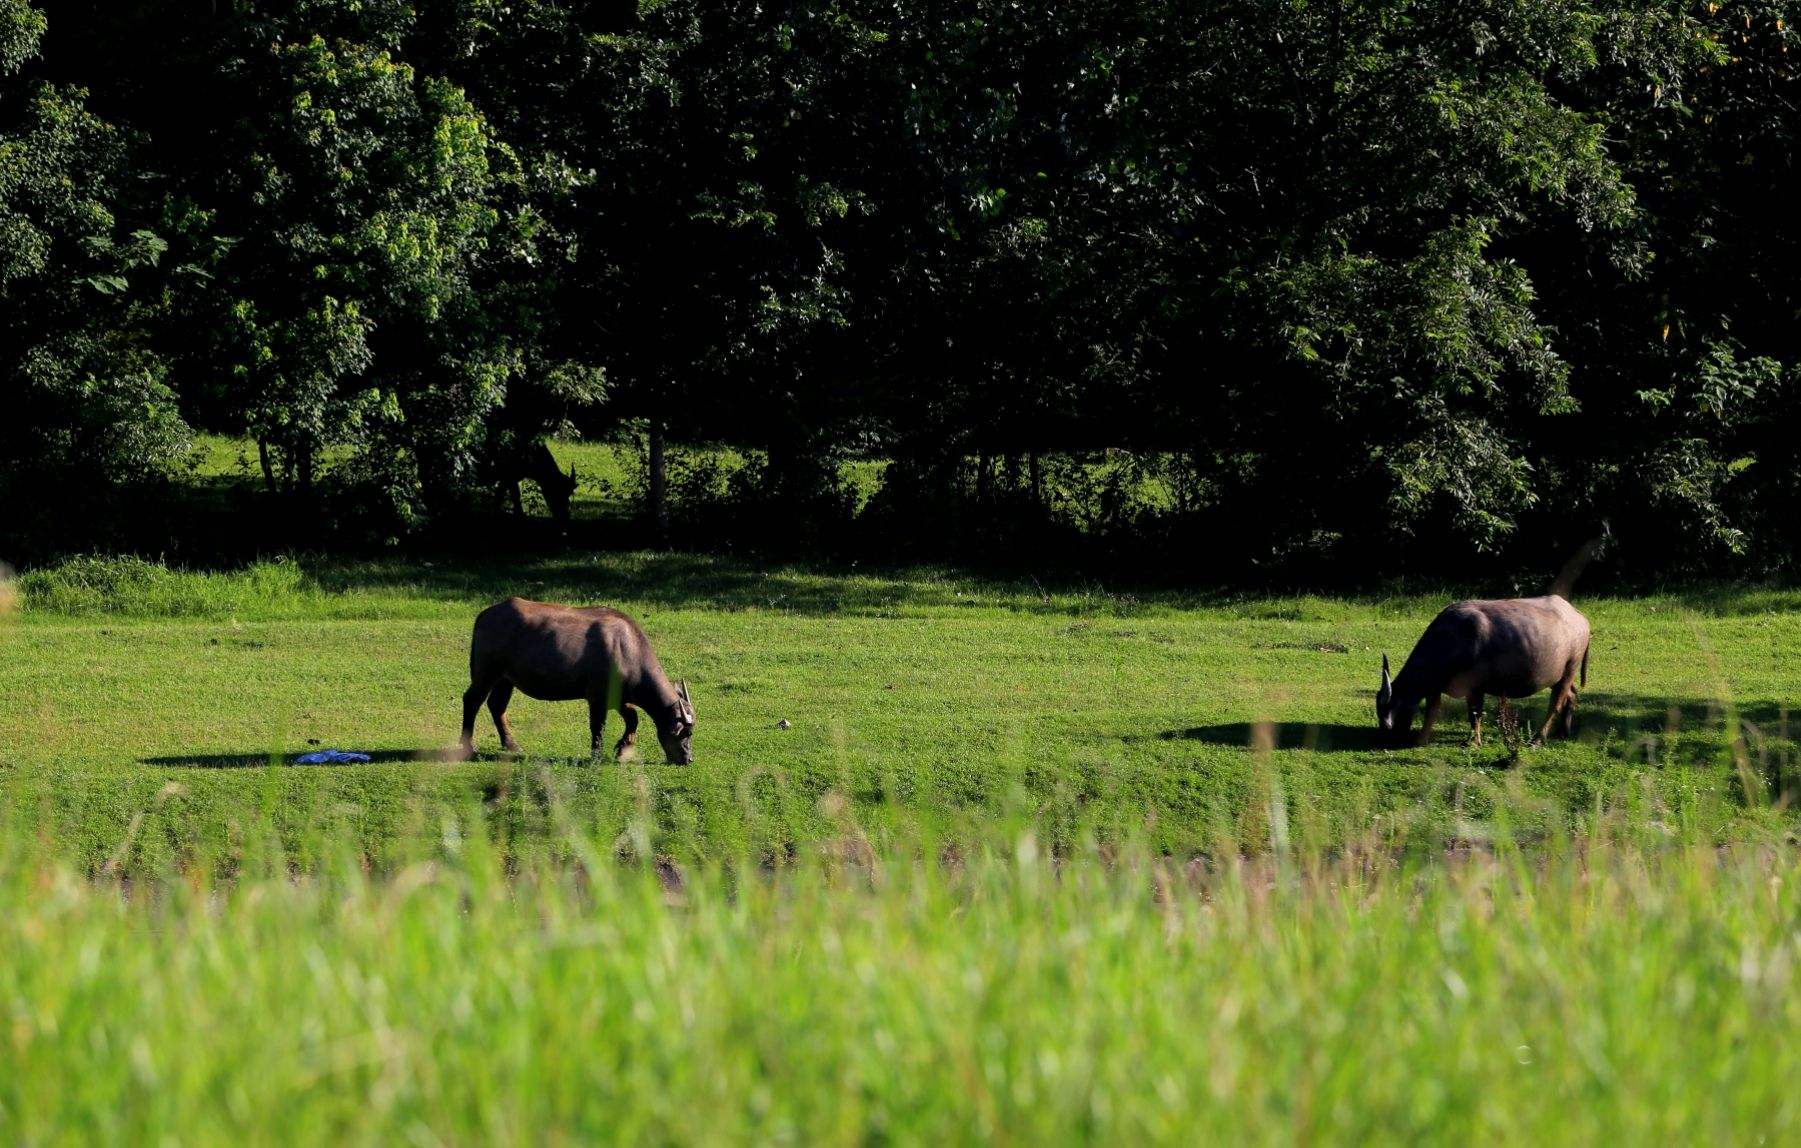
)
(1323, 737)
(266, 758)
(1625, 717)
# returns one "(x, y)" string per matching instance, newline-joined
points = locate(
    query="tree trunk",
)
(262, 454)
(659, 486)
(1037, 479)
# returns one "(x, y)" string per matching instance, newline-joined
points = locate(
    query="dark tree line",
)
(1359, 286)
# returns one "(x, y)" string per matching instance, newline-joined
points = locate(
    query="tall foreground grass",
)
(1588, 992)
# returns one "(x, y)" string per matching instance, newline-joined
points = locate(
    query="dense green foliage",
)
(84, 404)
(1451, 278)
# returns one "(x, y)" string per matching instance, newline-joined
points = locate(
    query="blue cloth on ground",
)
(329, 757)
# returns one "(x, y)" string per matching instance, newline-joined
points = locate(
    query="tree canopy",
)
(1373, 286)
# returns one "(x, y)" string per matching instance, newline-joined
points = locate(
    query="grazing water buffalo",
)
(540, 466)
(1510, 647)
(574, 653)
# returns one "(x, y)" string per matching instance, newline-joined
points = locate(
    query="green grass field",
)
(135, 693)
(1027, 865)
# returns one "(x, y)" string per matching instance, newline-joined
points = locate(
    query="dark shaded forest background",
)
(1365, 288)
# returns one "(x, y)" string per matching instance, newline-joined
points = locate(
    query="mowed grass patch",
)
(148, 713)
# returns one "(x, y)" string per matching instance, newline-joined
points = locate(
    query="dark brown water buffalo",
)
(574, 653)
(1509, 647)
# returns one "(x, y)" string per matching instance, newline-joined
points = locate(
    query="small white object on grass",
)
(784, 724)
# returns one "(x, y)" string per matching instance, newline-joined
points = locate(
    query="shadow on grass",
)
(678, 580)
(1698, 721)
(1320, 736)
(1630, 715)
(684, 580)
(250, 760)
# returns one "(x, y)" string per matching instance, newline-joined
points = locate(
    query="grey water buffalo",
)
(1510, 647)
(574, 653)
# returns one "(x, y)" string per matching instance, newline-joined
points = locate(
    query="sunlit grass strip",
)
(1594, 992)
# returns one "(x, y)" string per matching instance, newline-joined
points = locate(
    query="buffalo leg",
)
(630, 738)
(597, 725)
(1561, 698)
(1476, 701)
(1432, 705)
(473, 697)
(1567, 728)
(497, 706)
